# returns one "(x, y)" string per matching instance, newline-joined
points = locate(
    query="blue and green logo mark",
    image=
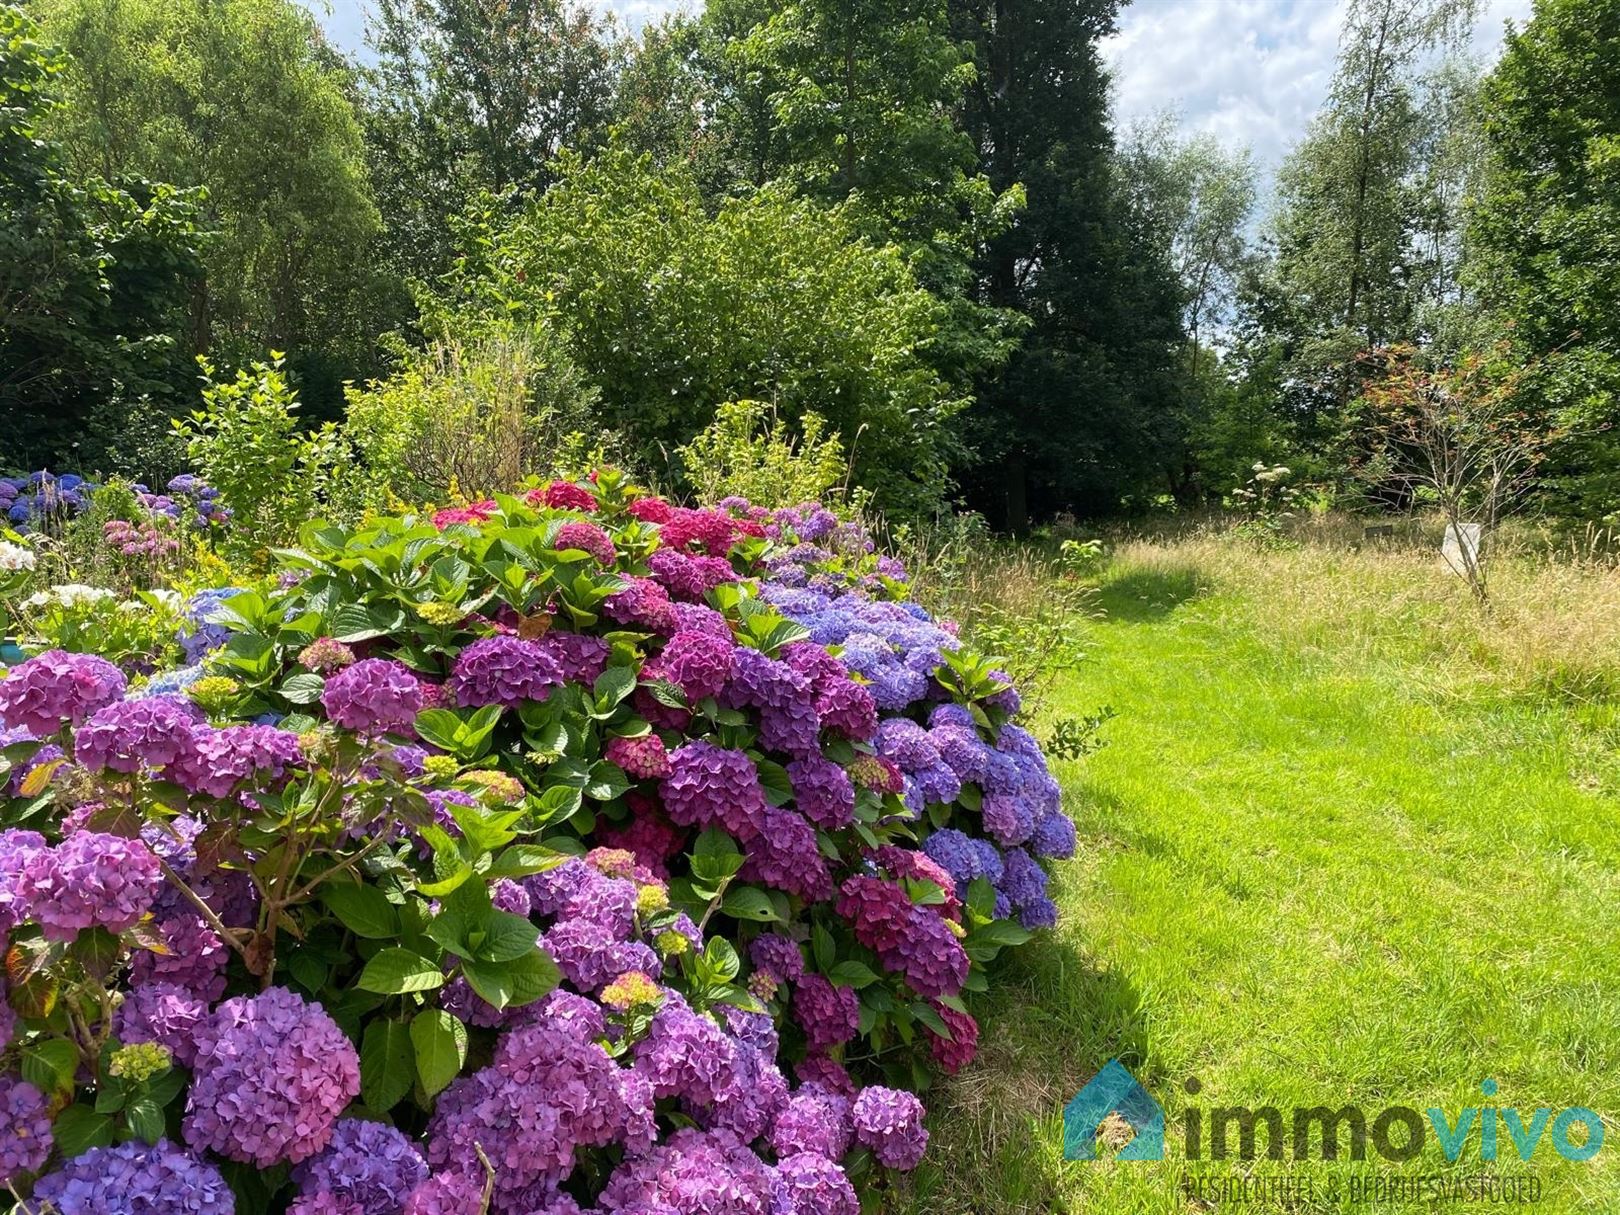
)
(1113, 1091)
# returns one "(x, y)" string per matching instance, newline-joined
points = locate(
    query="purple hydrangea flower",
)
(890, 1122)
(505, 671)
(88, 879)
(693, 1173)
(17, 848)
(57, 688)
(547, 1094)
(686, 1055)
(815, 1120)
(822, 791)
(25, 1129)
(128, 736)
(447, 1194)
(786, 856)
(815, 1185)
(158, 1180)
(777, 956)
(164, 1013)
(220, 760)
(1054, 836)
(368, 1164)
(272, 1074)
(373, 696)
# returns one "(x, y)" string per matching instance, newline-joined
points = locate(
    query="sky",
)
(1247, 71)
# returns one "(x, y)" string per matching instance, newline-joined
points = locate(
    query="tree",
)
(94, 280)
(1083, 413)
(1197, 197)
(242, 98)
(1345, 240)
(469, 95)
(1547, 230)
(1455, 436)
(672, 311)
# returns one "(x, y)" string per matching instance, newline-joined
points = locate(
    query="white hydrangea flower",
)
(14, 558)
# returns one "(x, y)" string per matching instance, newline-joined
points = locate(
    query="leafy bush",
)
(477, 412)
(674, 310)
(567, 828)
(246, 442)
(740, 455)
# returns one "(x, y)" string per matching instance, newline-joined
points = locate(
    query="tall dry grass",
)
(1553, 624)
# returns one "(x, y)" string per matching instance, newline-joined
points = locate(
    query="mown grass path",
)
(1306, 879)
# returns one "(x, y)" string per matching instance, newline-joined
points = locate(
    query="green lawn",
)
(1307, 876)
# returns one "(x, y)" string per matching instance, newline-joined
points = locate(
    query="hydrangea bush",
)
(571, 851)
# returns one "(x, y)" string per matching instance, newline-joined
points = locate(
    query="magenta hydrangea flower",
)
(155, 734)
(890, 1122)
(814, 1120)
(827, 1073)
(25, 1129)
(164, 1013)
(272, 1074)
(88, 879)
(693, 1173)
(645, 758)
(373, 696)
(587, 538)
(710, 786)
(57, 688)
(503, 670)
(368, 1165)
(590, 956)
(221, 760)
(158, 1180)
(848, 708)
(878, 911)
(815, 1185)
(699, 662)
(956, 1052)
(645, 604)
(829, 1016)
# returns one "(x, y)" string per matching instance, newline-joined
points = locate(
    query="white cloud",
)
(1246, 71)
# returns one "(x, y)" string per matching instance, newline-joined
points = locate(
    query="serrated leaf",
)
(302, 689)
(396, 971)
(749, 903)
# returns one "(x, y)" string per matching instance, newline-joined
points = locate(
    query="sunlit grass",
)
(1348, 843)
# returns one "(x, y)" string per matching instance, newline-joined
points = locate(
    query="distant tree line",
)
(911, 217)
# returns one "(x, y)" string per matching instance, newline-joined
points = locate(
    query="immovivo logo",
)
(1397, 1133)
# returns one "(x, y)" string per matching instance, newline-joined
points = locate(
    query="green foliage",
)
(674, 310)
(462, 98)
(240, 97)
(1545, 230)
(481, 408)
(1081, 416)
(742, 454)
(247, 442)
(93, 280)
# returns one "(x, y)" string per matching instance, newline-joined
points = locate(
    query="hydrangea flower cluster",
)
(787, 727)
(272, 1074)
